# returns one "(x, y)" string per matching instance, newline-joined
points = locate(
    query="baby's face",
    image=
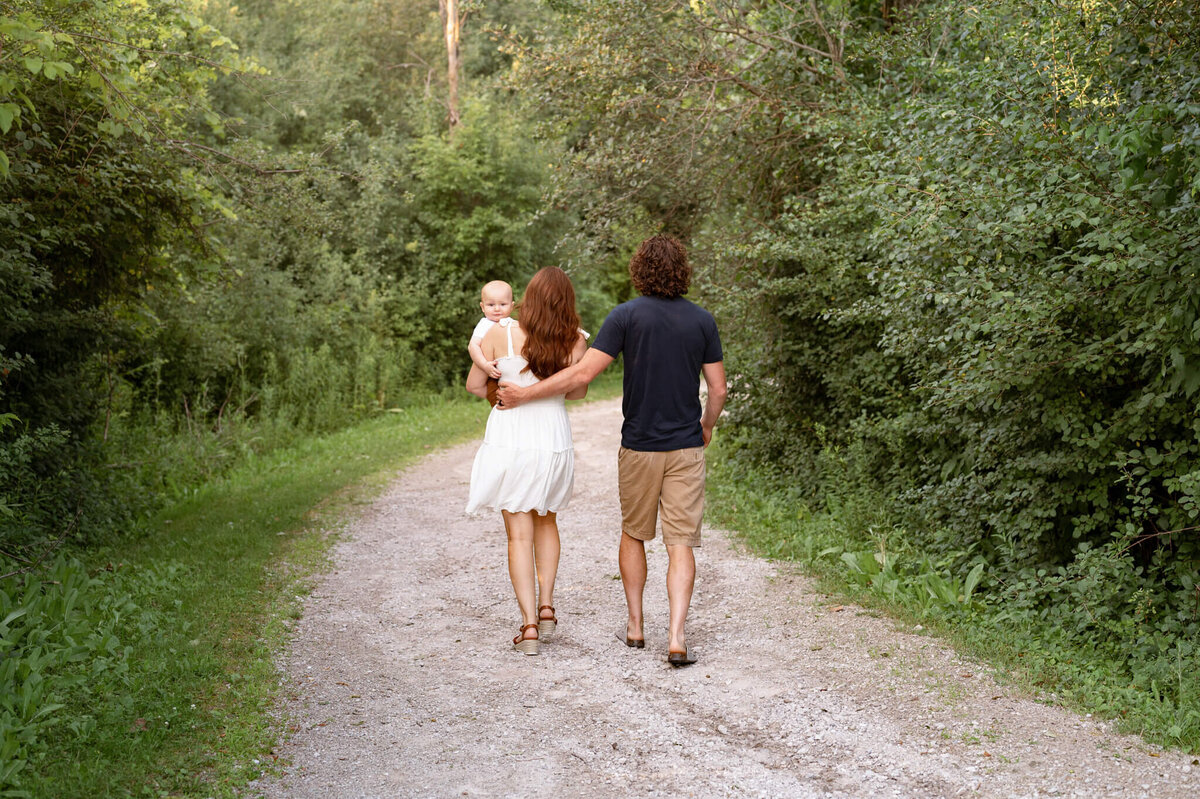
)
(496, 305)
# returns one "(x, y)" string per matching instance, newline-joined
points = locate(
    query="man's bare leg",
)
(681, 578)
(632, 561)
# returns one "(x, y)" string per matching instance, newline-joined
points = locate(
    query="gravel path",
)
(401, 681)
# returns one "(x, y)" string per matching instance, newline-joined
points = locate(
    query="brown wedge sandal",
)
(526, 646)
(546, 626)
(684, 658)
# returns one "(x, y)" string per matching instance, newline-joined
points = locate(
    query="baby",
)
(496, 301)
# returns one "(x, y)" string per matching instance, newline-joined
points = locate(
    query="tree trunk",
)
(452, 25)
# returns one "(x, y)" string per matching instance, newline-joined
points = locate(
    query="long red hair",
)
(550, 322)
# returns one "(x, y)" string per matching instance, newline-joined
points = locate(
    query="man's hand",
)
(707, 433)
(509, 396)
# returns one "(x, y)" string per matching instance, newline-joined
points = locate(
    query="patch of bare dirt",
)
(402, 682)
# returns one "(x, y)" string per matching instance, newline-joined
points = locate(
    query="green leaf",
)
(972, 581)
(53, 69)
(114, 129)
(46, 710)
(8, 112)
(33, 64)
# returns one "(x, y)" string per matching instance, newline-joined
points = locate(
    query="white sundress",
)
(526, 461)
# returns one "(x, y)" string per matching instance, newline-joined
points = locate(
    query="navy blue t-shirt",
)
(665, 341)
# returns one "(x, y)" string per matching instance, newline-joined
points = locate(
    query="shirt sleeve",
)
(712, 342)
(482, 328)
(611, 338)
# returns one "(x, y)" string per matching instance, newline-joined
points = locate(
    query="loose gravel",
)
(401, 680)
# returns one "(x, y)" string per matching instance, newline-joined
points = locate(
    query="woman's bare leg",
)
(519, 527)
(545, 550)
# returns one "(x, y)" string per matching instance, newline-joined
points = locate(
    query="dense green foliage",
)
(1020, 391)
(231, 224)
(98, 186)
(961, 244)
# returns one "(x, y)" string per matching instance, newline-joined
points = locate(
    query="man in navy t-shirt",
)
(668, 342)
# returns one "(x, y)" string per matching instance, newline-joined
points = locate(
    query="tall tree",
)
(452, 26)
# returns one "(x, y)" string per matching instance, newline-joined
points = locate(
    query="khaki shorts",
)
(671, 482)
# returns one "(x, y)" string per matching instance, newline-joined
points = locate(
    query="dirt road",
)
(401, 681)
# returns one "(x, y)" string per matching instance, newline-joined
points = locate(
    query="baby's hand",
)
(492, 371)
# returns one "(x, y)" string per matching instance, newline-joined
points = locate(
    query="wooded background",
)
(952, 249)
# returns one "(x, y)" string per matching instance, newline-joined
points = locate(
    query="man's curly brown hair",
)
(660, 267)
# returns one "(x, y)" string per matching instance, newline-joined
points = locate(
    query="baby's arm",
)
(480, 360)
(477, 383)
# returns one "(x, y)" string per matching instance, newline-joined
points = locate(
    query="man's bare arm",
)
(568, 380)
(714, 378)
(577, 354)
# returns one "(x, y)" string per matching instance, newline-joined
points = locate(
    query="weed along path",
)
(401, 681)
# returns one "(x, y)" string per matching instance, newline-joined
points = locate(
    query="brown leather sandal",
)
(526, 646)
(546, 626)
(632, 643)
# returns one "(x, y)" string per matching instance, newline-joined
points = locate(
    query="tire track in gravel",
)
(401, 681)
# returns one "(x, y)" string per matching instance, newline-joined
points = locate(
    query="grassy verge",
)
(199, 602)
(215, 579)
(856, 554)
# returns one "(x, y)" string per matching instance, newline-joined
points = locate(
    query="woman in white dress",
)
(525, 467)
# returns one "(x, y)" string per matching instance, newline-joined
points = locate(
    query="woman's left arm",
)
(576, 354)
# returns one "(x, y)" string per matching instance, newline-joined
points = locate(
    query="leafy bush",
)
(985, 320)
(58, 635)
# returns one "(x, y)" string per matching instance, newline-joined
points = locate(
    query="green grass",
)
(856, 555)
(220, 574)
(217, 579)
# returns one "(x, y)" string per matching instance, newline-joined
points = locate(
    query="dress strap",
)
(507, 324)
